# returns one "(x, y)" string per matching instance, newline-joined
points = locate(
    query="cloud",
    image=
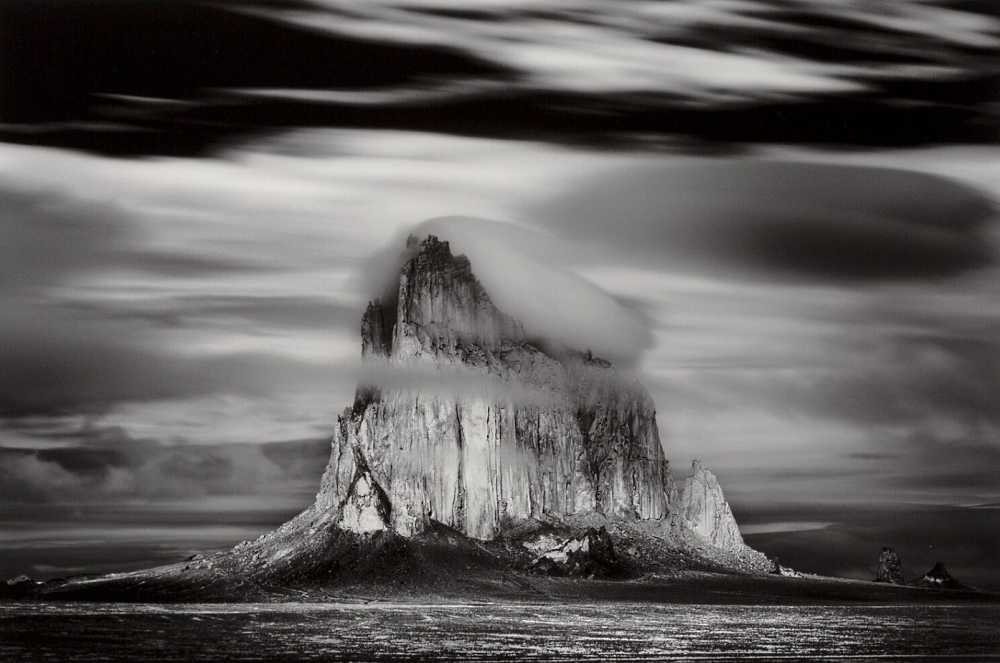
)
(875, 412)
(50, 236)
(428, 382)
(106, 465)
(527, 275)
(771, 219)
(237, 312)
(786, 526)
(59, 363)
(574, 71)
(70, 347)
(45, 237)
(177, 54)
(909, 379)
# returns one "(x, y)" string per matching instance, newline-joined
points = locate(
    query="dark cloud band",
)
(774, 219)
(139, 78)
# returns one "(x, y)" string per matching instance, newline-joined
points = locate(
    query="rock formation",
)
(939, 578)
(703, 510)
(468, 456)
(20, 580)
(467, 424)
(591, 555)
(366, 508)
(890, 569)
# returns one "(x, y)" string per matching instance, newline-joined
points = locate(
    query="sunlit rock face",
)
(703, 510)
(440, 301)
(366, 508)
(466, 423)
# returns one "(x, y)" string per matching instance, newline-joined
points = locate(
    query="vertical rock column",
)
(704, 510)
(890, 568)
(480, 440)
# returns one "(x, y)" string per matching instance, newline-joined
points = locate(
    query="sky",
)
(782, 215)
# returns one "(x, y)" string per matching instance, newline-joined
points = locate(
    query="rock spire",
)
(890, 568)
(703, 509)
(471, 426)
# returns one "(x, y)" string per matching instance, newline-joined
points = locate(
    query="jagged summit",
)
(439, 303)
(534, 436)
(706, 511)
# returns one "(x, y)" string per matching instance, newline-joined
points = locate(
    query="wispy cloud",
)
(580, 71)
(862, 370)
(798, 220)
(106, 464)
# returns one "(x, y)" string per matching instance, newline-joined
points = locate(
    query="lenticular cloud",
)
(525, 274)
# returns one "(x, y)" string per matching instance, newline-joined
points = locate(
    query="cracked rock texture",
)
(469, 425)
(591, 555)
(890, 568)
(468, 455)
(703, 509)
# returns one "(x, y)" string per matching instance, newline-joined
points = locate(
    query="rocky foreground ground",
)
(442, 565)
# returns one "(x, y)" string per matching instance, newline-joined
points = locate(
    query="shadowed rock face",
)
(440, 300)
(890, 568)
(939, 578)
(591, 555)
(471, 426)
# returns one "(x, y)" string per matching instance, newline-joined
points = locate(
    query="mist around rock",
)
(474, 463)
(525, 272)
(478, 456)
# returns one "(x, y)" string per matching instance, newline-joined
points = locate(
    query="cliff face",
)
(466, 424)
(703, 510)
(461, 427)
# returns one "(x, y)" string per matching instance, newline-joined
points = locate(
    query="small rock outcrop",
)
(890, 569)
(20, 580)
(939, 578)
(591, 555)
(703, 509)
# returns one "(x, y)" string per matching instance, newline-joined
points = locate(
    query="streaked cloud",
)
(773, 528)
(867, 380)
(701, 71)
(107, 465)
(798, 220)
